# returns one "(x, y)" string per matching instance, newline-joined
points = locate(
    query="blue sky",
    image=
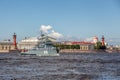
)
(80, 18)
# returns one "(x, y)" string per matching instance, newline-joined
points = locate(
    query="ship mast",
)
(43, 41)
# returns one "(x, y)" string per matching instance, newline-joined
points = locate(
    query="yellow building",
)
(6, 46)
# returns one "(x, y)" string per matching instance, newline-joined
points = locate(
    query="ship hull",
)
(41, 52)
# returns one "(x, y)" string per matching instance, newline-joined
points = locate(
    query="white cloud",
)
(71, 38)
(89, 39)
(55, 34)
(50, 31)
(45, 29)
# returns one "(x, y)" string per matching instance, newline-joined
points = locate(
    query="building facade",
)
(84, 45)
(6, 46)
(28, 43)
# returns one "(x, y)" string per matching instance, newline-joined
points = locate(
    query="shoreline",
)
(88, 51)
(70, 51)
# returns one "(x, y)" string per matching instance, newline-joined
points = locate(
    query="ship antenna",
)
(41, 34)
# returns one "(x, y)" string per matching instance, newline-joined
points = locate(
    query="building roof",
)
(31, 39)
(82, 42)
(6, 42)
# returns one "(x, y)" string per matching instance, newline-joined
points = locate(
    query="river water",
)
(83, 66)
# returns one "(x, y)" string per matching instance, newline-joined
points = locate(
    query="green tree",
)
(98, 46)
(77, 46)
(72, 46)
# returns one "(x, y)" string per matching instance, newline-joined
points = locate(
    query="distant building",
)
(8, 46)
(28, 43)
(95, 39)
(84, 45)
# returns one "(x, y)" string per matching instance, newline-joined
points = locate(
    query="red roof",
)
(82, 42)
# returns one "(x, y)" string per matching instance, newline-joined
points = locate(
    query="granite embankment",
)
(87, 51)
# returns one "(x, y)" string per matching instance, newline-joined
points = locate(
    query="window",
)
(2, 47)
(9, 47)
(6, 47)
